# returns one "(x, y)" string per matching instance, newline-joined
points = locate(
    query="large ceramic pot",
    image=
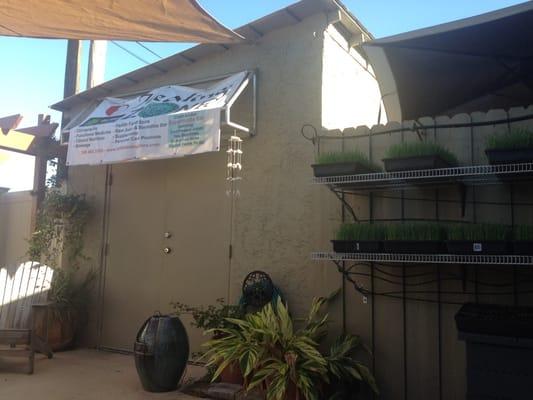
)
(161, 353)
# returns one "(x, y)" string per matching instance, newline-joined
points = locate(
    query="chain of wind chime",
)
(234, 165)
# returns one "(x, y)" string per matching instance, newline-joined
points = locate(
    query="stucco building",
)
(306, 72)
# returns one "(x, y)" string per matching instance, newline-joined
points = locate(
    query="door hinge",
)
(106, 249)
(230, 251)
(110, 181)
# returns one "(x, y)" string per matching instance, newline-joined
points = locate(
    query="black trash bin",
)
(499, 350)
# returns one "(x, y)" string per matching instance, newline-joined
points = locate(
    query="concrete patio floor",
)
(80, 375)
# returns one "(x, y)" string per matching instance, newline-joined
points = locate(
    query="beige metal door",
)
(134, 262)
(197, 219)
(179, 205)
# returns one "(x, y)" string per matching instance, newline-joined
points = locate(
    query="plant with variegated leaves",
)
(345, 373)
(279, 359)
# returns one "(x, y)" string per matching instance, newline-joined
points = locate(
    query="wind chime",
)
(234, 165)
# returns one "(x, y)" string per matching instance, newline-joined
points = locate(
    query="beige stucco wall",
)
(279, 217)
(350, 92)
(16, 218)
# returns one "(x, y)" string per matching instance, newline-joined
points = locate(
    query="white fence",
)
(19, 289)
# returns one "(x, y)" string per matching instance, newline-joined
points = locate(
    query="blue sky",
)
(31, 72)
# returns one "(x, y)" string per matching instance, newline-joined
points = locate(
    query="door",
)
(196, 270)
(168, 241)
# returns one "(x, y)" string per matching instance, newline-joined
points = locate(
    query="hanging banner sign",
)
(171, 121)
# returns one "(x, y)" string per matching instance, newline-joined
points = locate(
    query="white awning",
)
(143, 20)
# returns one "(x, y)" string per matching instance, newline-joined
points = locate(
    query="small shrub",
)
(515, 139)
(210, 317)
(345, 157)
(478, 232)
(361, 232)
(415, 231)
(417, 149)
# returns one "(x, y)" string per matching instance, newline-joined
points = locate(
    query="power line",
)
(147, 48)
(131, 53)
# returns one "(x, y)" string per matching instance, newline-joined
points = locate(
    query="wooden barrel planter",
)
(161, 352)
(56, 326)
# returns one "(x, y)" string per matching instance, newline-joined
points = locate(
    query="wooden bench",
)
(21, 290)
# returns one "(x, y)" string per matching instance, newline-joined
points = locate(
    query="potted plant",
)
(69, 297)
(478, 239)
(213, 318)
(359, 238)
(343, 163)
(58, 242)
(414, 237)
(285, 362)
(523, 240)
(409, 156)
(516, 146)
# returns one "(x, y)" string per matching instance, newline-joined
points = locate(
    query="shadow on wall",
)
(20, 287)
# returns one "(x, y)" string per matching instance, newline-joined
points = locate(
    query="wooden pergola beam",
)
(43, 130)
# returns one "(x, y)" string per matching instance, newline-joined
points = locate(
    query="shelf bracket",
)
(462, 190)
(345, 203)
(463, 276)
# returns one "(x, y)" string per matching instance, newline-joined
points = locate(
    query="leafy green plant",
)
(517, 138)
(344, 372)
(478, 232)
(523, 232)
(210, 317)
(279, 359)
(416, 149)
(70, 296)
(415, 231)
(59, 229)
(58, 243)
(361, 232)
(346, 157)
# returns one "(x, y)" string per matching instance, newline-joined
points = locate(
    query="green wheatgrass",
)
(517, 138)
(478, 232)
(415, 231)
(361, 231)
(348, 156)
(523, 232)
(417, 149)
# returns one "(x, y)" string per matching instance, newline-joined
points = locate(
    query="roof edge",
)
(457, 24)
(107, 87)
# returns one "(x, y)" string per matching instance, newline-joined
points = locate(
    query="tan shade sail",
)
(143, 20)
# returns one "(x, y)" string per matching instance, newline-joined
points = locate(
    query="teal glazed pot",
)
(161, 351)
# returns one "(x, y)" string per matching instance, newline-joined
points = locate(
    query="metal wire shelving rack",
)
(445, 280)
(472, 174)
(466, 259)
(461, 177)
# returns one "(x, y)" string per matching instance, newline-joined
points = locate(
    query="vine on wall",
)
(61, 221)
(58, 243)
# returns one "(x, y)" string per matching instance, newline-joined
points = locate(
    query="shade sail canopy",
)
(468, 65)
(144, 20)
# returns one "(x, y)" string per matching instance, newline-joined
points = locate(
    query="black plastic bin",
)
(499, 350)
